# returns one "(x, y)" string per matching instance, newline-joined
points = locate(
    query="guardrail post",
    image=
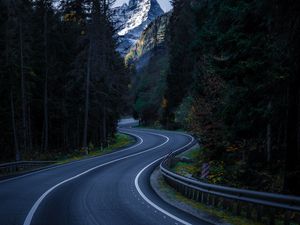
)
(230, 206)
(197, 196)
(238, 208)
(248, 211)
(202, 197)
(210, 199)
(193, 194)
(224, 206)
(271, 216)
(206, 199)
(216, 201)
(287, 215)
(259, 212)
(177, 185)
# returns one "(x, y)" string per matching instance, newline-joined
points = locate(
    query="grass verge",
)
(190, 166)
(120, 141)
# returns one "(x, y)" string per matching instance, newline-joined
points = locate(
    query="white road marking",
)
(77, 161)
(136, 182)
(30, 215)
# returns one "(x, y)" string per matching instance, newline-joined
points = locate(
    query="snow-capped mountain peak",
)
(135, 19)
(132, 18)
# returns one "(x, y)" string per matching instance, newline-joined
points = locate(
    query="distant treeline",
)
(62, 84)
(233, 81)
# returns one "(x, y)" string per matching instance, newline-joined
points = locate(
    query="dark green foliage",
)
(53, 44)
(179, 77)
(238, 62)
(149, 87)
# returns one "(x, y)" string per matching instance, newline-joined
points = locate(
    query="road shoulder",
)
(169, 195)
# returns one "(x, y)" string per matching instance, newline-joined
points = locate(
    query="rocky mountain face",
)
(132, 19)
(152, 41)
(150, 58)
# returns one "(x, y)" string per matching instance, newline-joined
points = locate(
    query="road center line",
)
(32, 211)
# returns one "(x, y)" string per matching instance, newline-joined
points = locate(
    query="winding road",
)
(113, 189)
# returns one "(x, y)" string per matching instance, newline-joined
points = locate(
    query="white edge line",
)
(136, 182)
(76, 161)
(30, 215)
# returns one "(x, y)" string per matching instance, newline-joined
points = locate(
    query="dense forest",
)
(61, 81)
(226, 71)
(233, 81)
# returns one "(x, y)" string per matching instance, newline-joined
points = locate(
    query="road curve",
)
(109, 190)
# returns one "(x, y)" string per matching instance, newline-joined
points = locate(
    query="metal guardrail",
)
(264, 207)
(22, 166)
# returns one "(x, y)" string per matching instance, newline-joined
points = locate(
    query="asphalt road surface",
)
(109, 190)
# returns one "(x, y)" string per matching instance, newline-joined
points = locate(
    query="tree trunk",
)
(269, 136)
(65, 126)
(104, 133)
(13, 121)
(23, 89)
(46, 83)
(29, 131)
(87, 98)
(292, 150)
(269, 143)
(78, 132)
(12, 104)
(292, 167)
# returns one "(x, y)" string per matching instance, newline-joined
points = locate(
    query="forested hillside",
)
(149, 58)
(62, 84)
(233, 81)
